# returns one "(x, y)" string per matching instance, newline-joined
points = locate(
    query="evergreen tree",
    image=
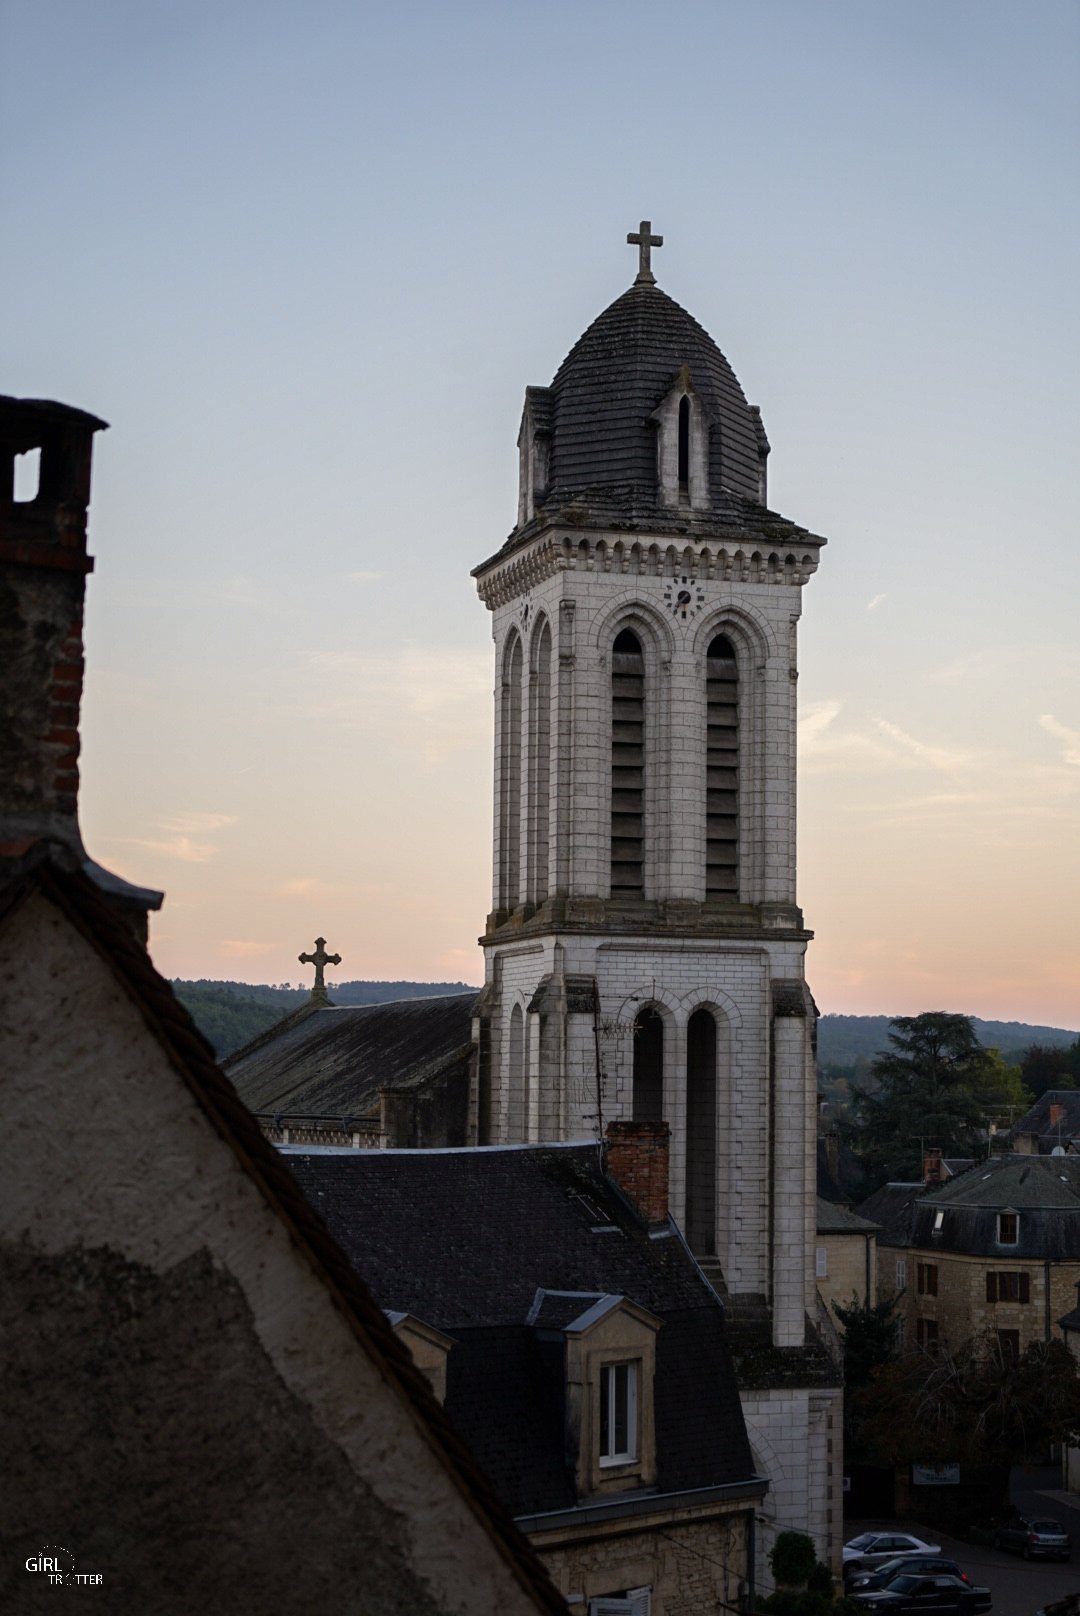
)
(928, 1091)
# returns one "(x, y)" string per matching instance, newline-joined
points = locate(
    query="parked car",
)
(874, 1548)
(864, 1579)
(1035, 1537)
(907, 1595)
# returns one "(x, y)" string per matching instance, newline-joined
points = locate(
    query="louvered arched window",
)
(627, 767)
(539, 764)
(510, 778)
(722, 771)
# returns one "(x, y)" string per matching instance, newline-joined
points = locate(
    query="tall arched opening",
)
(648, 1066)
(701, 1133)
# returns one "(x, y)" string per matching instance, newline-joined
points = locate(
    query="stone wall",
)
(960, 1307)
(847, 1257)
(797, 1437)
(183, 1406)
(692, 1561)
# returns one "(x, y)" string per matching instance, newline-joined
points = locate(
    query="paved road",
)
(1019, 1587)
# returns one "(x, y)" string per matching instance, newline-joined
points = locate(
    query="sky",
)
(305, 258)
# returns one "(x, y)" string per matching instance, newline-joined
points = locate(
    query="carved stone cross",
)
(644, 240)
(320, 959)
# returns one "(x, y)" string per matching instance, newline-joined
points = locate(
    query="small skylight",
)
(939, 1220)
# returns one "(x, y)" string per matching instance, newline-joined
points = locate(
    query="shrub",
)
(793, 1559)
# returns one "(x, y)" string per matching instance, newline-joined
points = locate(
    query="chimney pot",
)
(637, 1161)
(933, 1171)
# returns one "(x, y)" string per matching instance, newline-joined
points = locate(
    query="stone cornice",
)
(754, 559)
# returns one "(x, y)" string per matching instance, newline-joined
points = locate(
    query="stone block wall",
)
(694, 1562)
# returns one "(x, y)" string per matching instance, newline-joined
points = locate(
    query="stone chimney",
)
(933, 1170)
(637, 1161)
(43, 568)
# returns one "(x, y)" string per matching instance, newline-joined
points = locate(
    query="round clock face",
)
(683, 597)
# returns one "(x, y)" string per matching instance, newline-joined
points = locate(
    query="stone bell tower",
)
(644, 954)
(645, 949)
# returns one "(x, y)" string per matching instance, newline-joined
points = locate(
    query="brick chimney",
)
(933, 1171)
(637, 1161)
(43, 568)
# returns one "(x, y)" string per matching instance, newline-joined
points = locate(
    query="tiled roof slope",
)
(892, 1208)
(193, 1059)
(839, 1220)
(1045, 1190)
(334, 1061)
(464, 1239)
(616, 375)
(1037, 1120)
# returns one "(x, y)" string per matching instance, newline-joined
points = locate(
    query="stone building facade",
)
(995, 1248)
(645, 949)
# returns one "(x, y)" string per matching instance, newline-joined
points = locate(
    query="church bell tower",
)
(645, 950)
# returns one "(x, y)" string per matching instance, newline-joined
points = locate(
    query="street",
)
(1019, 1587)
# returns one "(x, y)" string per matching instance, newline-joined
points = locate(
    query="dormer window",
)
(1008, 1229)
(610, 1359)
(618, 1413)
(682, 446)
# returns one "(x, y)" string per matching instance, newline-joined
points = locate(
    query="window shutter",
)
(639, 1601)
(931, 1274)
(991, 1287)
(821, 1262)
(1025, 1287)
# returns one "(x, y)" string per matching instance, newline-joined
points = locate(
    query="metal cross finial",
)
(644, 240)
(320, 959)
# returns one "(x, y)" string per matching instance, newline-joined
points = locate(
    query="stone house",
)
(199, 1400)
(997, 1247)
(845, 1258)
(1051, 1125)
(578, 1347)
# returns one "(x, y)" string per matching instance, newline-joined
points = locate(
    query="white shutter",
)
(635, 1602)
(821, 1262)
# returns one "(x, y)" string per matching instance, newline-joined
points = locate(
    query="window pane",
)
(605, 1417)
(621, 1372)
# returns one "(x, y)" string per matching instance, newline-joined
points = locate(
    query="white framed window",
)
(821, 1262)
(901, 1273)
(618, 1413)
(634, 1602)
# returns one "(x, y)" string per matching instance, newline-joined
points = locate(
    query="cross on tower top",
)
(320, 959)
(644, 240)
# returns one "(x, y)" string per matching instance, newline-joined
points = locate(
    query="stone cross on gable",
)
(320, 959)
(644, 240)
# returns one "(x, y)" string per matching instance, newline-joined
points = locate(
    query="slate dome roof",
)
(615, 376)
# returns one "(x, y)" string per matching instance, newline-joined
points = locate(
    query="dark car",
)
(907, 1595)
(1035, 1537)
(864, 1579)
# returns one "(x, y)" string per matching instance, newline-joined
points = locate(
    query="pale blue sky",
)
(305, 258)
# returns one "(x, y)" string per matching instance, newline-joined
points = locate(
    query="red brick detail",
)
(637, 1160)
(933, 1172)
